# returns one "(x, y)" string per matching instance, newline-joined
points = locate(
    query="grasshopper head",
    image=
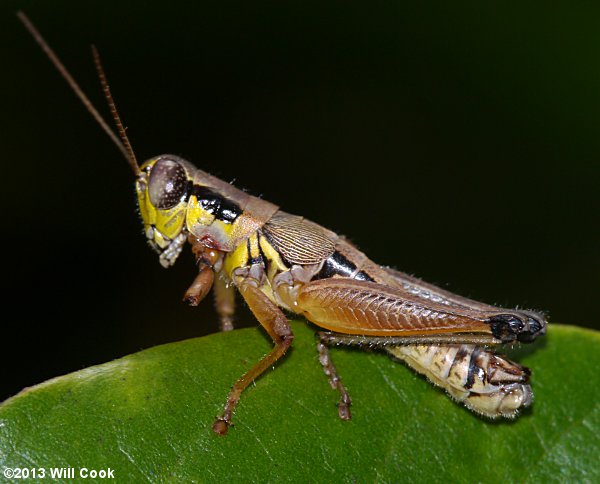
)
(162, 190)
(178, 200)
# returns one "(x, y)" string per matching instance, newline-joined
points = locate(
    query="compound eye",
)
(167, 184)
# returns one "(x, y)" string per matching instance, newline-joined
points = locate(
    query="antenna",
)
(113, 110)
(123, 144)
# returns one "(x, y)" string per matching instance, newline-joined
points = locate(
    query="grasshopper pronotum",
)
(282, 262)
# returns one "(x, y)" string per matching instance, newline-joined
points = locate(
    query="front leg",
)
(200, 287)
(276, 325)
(209, 261)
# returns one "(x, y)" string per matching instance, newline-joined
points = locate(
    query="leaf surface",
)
(148, 416)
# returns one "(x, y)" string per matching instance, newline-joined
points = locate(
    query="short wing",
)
(366, 308)
(426, 291)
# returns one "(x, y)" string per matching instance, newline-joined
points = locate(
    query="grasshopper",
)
(282, 263)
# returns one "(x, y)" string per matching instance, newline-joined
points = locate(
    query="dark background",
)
(456, 141)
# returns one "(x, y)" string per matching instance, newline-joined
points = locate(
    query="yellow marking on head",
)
(167, 222)
(147, 210)
(170, 222)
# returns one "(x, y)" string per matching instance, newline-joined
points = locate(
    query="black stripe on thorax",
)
(339, 265)
(215, 204)
(263, 256)
(269, 240)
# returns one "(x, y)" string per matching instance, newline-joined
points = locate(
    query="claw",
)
(220, 427)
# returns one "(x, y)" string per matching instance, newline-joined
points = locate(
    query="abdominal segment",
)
(483, 381)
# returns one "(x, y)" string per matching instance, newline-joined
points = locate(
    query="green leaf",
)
(148, 416)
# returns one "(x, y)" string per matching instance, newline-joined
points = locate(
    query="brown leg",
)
(224, 302)
(334, 380)
(200, 287)
(276, 324)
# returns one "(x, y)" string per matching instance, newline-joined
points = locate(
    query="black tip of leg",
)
(220, 427)
(344, 411)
